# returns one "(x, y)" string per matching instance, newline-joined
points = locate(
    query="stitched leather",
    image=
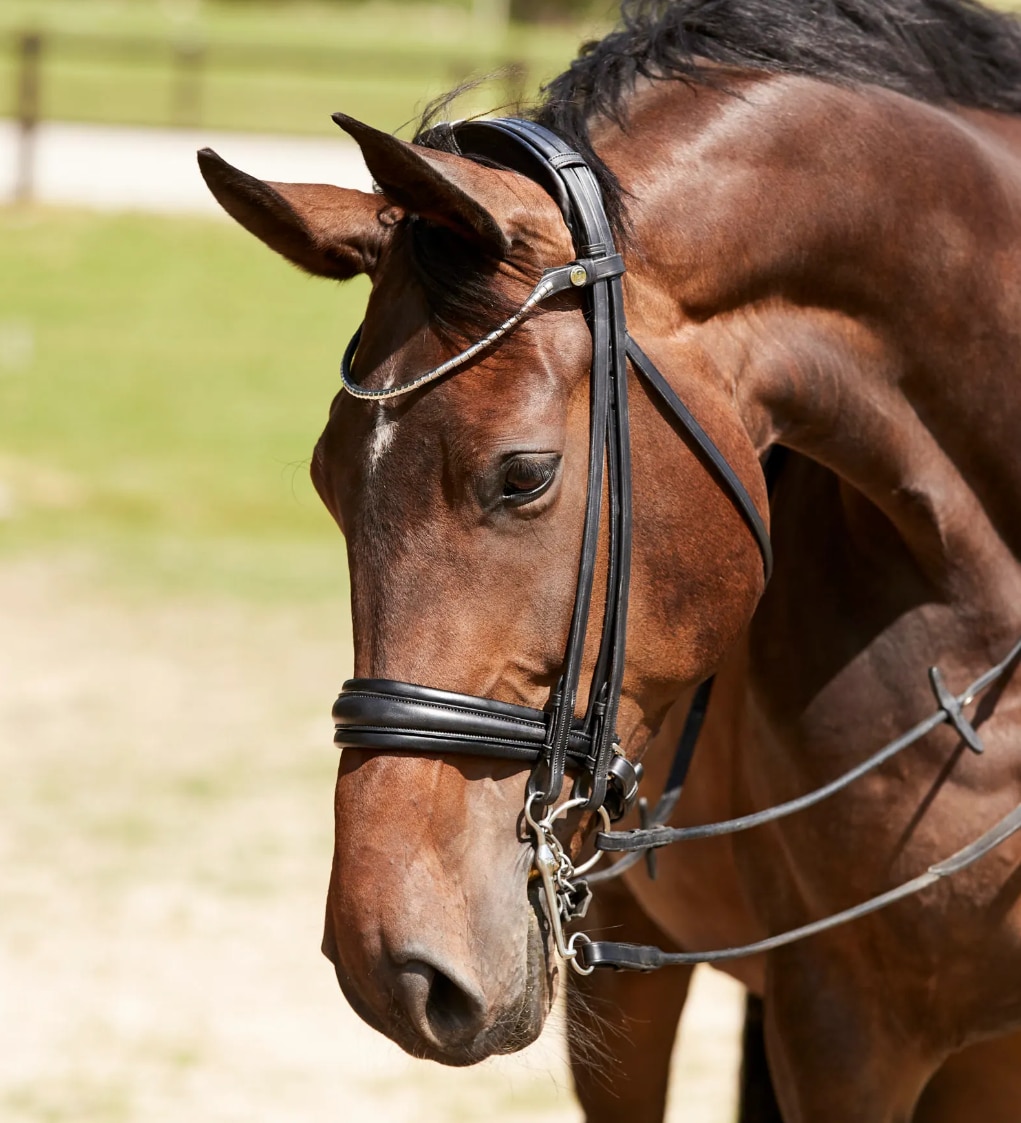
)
(399, 716)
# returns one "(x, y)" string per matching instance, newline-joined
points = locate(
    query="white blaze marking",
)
(384, 427)
(382, 436)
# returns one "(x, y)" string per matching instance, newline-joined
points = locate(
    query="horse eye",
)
(525, 478)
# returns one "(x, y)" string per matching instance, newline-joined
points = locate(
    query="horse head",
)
(462, 504)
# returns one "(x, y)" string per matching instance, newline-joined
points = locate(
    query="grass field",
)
(380, 61)
(162, 383)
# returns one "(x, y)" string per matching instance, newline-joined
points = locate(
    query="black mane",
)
(938, 51)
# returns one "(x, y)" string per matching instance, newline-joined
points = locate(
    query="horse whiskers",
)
(592, 1025)
(587, 1030)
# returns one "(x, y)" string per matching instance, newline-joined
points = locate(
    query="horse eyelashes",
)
(525, 479)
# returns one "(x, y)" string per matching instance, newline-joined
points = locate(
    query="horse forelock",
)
(457, 280)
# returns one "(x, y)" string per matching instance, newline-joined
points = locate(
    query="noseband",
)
(391, 716)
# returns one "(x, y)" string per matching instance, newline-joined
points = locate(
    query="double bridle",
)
(391, 716)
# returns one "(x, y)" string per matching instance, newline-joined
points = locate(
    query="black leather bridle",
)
(376, 714)
(391, 716)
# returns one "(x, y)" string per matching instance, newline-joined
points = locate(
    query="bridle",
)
(388, 715)
(392, 716)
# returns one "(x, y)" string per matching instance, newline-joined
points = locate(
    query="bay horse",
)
(818, 207)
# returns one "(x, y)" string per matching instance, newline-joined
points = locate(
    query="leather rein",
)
(390, 716)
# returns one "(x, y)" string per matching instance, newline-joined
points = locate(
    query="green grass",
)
(162, 382)
(379, 61)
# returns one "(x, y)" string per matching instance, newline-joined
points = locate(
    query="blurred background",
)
(173, 599)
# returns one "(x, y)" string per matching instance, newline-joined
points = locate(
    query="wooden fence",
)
(186, 67)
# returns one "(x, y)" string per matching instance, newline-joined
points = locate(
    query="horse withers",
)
(819, 214)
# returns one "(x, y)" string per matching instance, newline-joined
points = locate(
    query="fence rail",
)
(176, 75)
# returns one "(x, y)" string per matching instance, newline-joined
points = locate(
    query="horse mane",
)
(937, 51)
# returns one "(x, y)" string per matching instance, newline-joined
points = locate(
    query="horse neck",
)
(845, 257)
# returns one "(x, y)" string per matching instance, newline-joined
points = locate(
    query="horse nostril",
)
(451, 1009)
(445, 1012)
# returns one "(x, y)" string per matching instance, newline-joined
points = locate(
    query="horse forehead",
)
(390, 461)
(508, 396)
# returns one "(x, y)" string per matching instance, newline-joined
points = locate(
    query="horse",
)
(817, 209)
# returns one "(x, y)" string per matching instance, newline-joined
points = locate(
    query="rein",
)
(392, 716)
(639, 957)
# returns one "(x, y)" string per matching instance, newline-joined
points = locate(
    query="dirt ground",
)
(165, 840)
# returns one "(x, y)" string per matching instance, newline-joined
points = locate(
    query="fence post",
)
(189, 57)
(30, 45)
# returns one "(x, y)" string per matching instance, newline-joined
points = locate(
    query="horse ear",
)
(438, 186)
(329, 231)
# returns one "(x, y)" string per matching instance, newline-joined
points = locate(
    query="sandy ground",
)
(119, 168)
(164, 848)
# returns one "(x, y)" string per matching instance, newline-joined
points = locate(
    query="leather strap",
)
(388, 715)
(717, 462)
(679, 767)
(639, 957)
(949, 710)
(609, 442)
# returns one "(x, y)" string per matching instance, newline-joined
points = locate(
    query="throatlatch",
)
(391, 716)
